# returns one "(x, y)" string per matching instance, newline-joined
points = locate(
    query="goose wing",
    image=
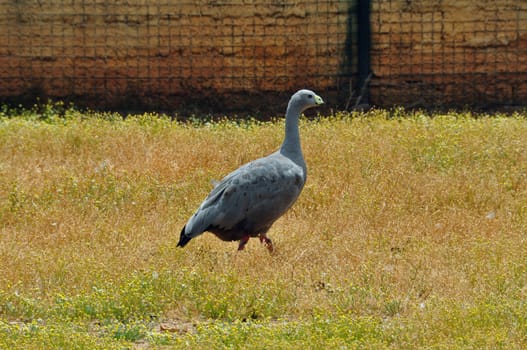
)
(254, 196)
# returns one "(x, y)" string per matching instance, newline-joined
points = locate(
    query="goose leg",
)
(267, 242)
(243, 242)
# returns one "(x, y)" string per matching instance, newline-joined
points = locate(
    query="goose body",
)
(249, 200)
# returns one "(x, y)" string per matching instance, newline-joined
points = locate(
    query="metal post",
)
(364, 44)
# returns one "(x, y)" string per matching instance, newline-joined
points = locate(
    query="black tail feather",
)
(183, 239)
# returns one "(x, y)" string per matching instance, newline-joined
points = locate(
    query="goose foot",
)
(267, 242)
(243, 242)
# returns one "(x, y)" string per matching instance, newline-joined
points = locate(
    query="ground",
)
(410, 233)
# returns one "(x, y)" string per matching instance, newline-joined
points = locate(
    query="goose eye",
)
(309, 96)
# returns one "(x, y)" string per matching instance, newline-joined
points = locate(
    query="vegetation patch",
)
(410, 233)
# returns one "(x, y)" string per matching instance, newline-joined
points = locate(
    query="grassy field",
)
(410, 234)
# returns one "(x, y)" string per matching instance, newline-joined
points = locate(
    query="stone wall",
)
(137, 53)
(449, 51)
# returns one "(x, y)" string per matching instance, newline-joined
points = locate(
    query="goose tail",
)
(183, 238)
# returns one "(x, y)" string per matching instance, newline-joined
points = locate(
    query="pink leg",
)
(267, 242)
(243, 242)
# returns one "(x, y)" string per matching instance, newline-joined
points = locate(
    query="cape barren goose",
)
(249, 200)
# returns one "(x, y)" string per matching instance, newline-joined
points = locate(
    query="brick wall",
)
(214, 56)
(451, 51)
(136, 53)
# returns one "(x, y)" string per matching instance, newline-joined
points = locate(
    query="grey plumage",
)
(249, 200)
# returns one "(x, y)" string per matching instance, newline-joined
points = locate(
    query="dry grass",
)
(410, 233)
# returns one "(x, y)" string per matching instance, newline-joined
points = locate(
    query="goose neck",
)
(291, 146)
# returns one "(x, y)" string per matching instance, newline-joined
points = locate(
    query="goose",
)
(247, 202)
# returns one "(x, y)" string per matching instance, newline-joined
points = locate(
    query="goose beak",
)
(318, 100)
